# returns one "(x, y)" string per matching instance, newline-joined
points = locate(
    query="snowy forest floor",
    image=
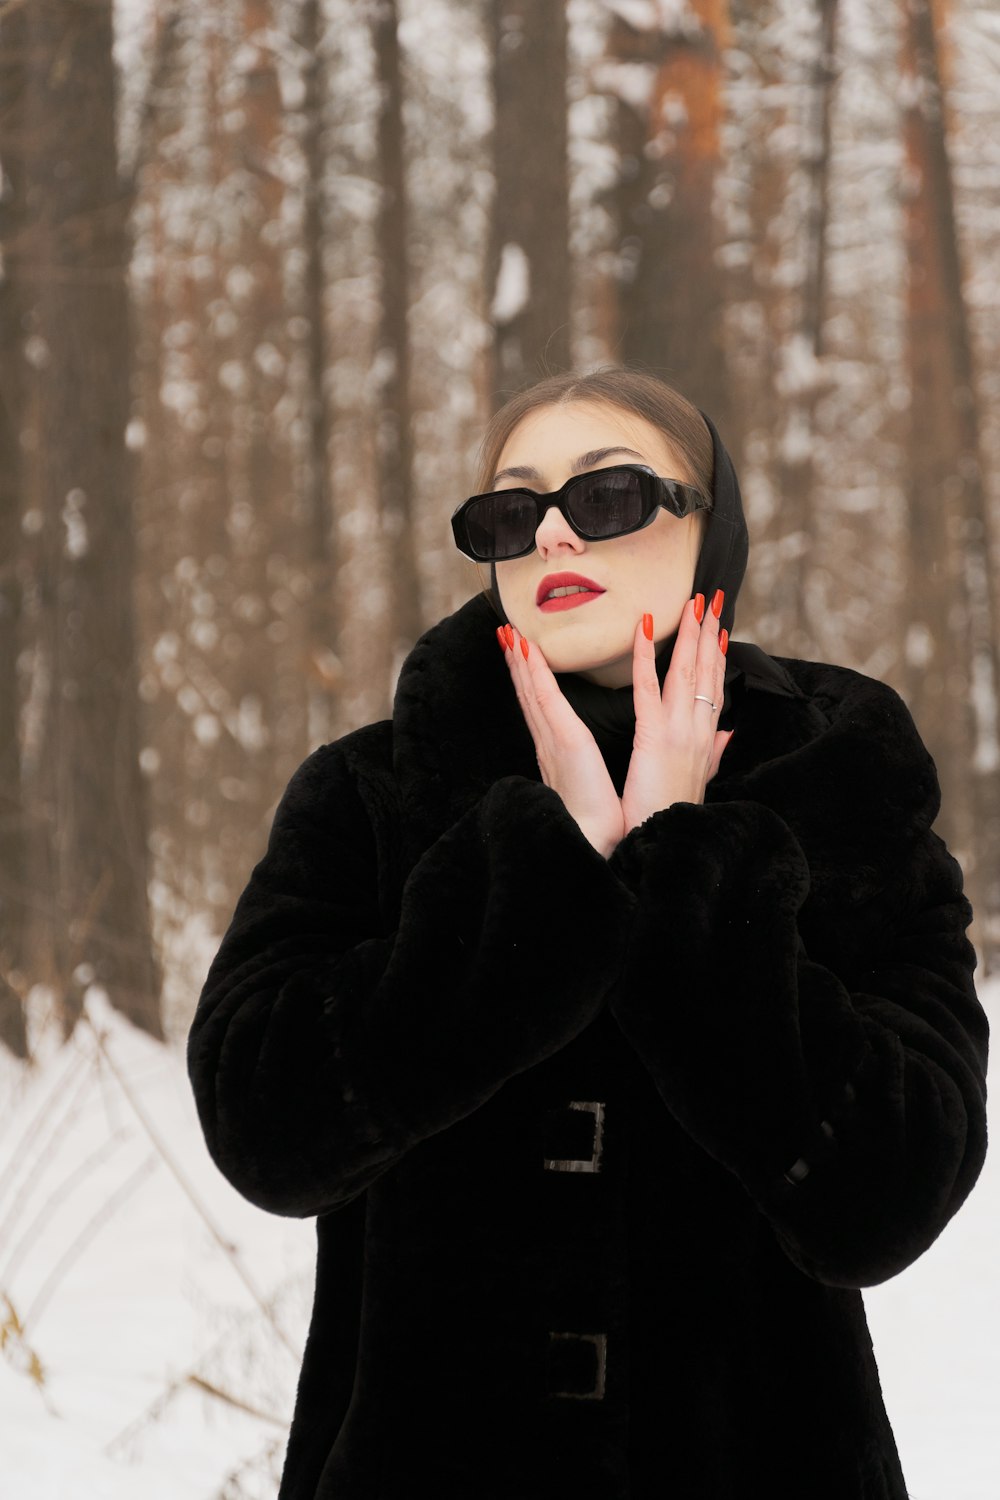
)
(153, 1320)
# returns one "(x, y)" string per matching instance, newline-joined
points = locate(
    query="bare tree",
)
(669, 142)
(87, 789)
(951, 650)
(229, 547)
(13, 844)
(802, 380)
(528, 260)
(754, 252)
(326, 616)
(394, 435)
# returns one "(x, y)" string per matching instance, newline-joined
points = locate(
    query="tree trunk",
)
(325, 611)
(670, 288)
(801, 379)
(757, 298)
(89, 784)
(276, 554)
(528, 259)
(394, 428)
(14, 885)
(951, 656)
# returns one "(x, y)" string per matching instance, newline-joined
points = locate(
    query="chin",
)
(564, 658)
(572, 644)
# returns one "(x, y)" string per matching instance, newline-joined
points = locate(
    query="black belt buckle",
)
(578, 1137)
(575, 1365)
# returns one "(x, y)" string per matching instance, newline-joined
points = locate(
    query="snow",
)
(674, 16)
(77, 542)
(632, 82)
(513, 285)
(986, 760)
(165, 1317)
(139, 1277)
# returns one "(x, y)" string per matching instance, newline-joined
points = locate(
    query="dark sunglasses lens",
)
(500, 525)
(606, 503)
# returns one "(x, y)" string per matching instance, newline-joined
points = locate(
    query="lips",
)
(566, 580)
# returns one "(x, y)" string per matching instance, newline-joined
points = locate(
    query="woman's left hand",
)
(677, 748)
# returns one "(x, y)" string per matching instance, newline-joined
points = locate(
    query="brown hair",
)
(631, 391)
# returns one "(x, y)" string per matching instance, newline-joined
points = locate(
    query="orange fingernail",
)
(647, 627)
(524, 648)
(723, 640)
(717, 603)
(699, 606)
(501, 640)
(509, 633)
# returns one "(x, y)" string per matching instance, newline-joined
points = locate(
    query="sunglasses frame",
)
(654, 490)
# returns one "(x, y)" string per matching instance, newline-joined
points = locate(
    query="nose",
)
(554, 534)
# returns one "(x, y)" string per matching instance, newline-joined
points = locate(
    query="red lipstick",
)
(584, 590)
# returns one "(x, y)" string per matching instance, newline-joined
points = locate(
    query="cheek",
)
(661, 562)
(512, 586)
(659, 577)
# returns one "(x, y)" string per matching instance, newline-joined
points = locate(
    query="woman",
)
(613, 1048)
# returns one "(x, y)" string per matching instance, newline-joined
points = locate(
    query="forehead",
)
(559, 438)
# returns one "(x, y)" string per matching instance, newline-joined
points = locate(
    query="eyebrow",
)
(525, 471)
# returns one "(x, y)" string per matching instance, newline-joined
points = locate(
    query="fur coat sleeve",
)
(848, 1096)
(329, 1040)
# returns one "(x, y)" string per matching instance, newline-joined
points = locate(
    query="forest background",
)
(266, 269)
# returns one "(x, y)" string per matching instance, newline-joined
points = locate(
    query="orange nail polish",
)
(723, 640)
(699, 607)
(524, 648)
(717, 602)
(509, 633)
(647, 627)
(501, 640)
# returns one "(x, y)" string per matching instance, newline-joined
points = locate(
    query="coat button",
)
(577, 1138)
(575, 1365)
(797, 1171)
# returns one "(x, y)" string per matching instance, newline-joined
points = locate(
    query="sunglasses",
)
(599, 505)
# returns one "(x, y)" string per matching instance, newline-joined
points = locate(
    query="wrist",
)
(602, 841)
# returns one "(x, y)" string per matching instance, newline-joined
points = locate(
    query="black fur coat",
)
(600, 1151)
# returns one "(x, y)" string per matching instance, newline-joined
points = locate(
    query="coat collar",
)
(834, 752)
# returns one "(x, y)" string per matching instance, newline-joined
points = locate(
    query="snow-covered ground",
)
(153, 1320)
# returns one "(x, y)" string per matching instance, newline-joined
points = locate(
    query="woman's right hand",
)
(568, 755)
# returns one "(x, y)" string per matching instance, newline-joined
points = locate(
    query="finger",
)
(550, 729)
(534, 711)
(645, 683)
(711, 664)
(680, 683)
(545, 695)
(522, 687)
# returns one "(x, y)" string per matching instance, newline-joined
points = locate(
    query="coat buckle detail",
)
(575, 1365)
(800, 1169)
(580, 1163)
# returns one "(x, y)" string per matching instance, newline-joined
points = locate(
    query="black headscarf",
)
(609, 713)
